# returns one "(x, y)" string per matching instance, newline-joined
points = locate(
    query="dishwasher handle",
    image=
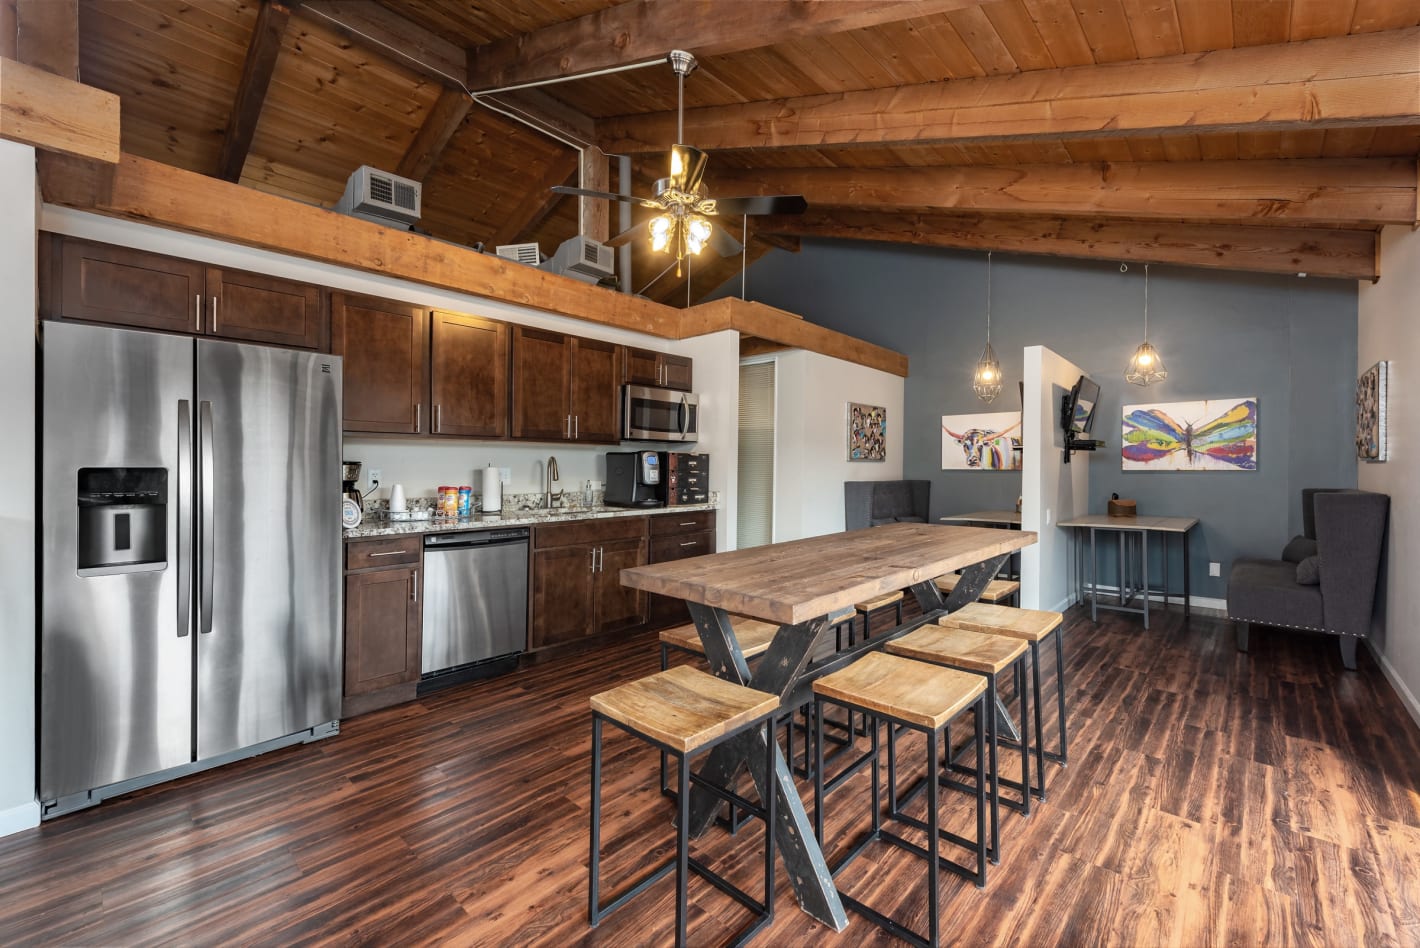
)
(475, 538)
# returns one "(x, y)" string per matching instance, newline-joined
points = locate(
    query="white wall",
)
(717, 382)
(811, 439)
(1387, 329)
(18, 807)
(1051, 490)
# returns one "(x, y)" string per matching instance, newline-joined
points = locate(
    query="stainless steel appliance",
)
(685, 478)
(659, 414)
(633, 479)
(190, 610)
(475, 602)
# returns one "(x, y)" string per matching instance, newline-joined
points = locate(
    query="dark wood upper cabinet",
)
(385, 349)
(542, 374)
(255, 308)
(596, 399)
(468, 376)
(660, 369)
(107, 284)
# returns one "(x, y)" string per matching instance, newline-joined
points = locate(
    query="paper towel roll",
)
(492, 490)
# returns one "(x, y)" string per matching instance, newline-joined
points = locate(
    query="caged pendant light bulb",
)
(1146, 367)
(987, 380)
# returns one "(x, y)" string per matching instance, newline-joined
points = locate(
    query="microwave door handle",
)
(683, 416)
(184, 524)
(204, 600)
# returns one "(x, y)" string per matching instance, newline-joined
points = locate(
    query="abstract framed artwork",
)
(1371, 444)
(1219, 434)
(985, 442)
(867, 432)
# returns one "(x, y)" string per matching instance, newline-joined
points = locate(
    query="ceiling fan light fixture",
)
(687, 168)
(697, 234)
(661, 228)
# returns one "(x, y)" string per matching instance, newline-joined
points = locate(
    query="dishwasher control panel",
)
(476, 536)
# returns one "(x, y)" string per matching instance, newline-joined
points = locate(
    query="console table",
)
(1001, 519)
(796, 585)
(1131, 531)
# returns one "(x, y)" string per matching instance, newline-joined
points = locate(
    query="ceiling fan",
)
(685, 223)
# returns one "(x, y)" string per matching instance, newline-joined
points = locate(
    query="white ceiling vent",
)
(521, 253)
(583, 259)
(381, 197)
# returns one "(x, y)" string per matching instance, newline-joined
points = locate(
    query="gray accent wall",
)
(1289, 341)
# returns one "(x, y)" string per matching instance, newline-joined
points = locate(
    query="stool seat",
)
(754, 636)
(1030, 625)
(974, 651)
(924, 695)
(841, 615)
(683, 707)
(997, 590)
(887, 599)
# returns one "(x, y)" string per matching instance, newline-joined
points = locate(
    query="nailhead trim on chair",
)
(1300, 628)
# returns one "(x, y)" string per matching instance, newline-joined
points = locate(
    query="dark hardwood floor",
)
(1211, 798)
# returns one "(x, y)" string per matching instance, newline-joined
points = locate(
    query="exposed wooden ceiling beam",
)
(1312, 192)
(776, 325)
(9, 32)
(1365, 79)
(537, 203)
(47, 35)
(56, 114)
(262, 52)
(444, 119)
(374, 27)
(647, 29)
(1350, 254)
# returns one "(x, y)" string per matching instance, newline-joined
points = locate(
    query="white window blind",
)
(755, 504)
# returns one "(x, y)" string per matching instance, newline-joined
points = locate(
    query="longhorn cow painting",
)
(990, 442)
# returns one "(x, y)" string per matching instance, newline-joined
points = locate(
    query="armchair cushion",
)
(1309, 571)
(1299, 548)
(1267, 592)
(874, 503)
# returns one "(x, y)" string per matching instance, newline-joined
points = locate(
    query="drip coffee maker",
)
(349, 477)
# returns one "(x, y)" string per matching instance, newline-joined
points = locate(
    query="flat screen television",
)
(1077, 415)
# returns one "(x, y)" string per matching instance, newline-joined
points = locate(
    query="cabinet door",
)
(562, 591)
(619, 607)
(468, 376)
(256, 308)
(595, 392)
(676, 372)
(381, 629)
(106, 284)
(385, 346)
(642, 367)
(663, 611)
(542, 369)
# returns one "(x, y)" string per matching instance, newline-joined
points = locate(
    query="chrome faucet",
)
(550, 476)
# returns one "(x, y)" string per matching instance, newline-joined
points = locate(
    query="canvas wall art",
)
(1219, 434)
(867, 432)
(1370, 414)
(986, 442)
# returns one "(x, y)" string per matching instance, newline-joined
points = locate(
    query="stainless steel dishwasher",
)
(475, 604)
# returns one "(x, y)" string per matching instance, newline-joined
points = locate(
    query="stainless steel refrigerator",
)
(190, 610)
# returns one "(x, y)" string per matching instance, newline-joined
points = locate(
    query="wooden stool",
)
(684, 711)
(1031, 625)
(837, 621)
(989, 656)
(921, 697)
(997, 590)
(887, 599)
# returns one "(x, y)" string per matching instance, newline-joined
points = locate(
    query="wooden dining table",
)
(797, 585)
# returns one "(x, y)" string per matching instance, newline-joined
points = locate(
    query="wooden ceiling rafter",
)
(257, 70)
(537, 203)
(440, 125)
(47, 35)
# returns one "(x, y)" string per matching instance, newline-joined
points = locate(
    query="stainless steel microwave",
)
(659, 414)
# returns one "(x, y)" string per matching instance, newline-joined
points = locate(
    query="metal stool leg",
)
(594, 864)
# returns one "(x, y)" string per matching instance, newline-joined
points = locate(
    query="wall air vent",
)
(582, 259)
(521, 253)
(380, 197)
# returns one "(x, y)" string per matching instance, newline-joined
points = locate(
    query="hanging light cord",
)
(988, 298)
(1146, 302)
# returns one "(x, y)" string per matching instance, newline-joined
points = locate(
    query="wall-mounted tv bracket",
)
(1072, 443)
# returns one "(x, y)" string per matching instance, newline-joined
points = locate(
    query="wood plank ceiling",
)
(1272, 135)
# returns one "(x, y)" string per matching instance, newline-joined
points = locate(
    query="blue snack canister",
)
(465, 500)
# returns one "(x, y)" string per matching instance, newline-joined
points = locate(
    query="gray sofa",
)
(1326, 579)
(873, 503)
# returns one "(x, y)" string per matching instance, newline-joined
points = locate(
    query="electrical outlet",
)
(375, 475)
(1215, 569)
(505, 474)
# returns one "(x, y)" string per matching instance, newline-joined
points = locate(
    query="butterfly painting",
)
(1214, 435)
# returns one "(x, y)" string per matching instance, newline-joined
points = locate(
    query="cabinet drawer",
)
(588, 531)
(670, 524)
(383, 551)
(681, 546)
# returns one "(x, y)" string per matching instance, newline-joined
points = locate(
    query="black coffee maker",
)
(632, 479)
(349, 477)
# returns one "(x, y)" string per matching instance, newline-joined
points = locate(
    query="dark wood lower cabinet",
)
(563, 594)
(677, 536)
(576, 580)
(382, 628)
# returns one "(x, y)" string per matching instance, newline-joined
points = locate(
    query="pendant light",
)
(987, 380)
(1146, 367)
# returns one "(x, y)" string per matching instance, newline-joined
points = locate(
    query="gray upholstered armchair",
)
(871, 503)
(1326, 579)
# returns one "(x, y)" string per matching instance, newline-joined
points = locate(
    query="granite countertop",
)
(509, 518)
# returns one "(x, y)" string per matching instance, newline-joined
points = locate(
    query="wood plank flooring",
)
(1211, 798)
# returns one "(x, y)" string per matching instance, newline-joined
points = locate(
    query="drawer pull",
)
(390, 553)
(687, 523)
(690, 543)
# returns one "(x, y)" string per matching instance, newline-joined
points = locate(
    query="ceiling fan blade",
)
(766, 204)
(605, 195)
(723, 241)
(630, 234)
(687, 167)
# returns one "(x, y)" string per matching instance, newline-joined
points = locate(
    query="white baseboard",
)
(1407, 697)
(1195, 602)
(19, 818)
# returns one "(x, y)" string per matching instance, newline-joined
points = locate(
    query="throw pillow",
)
(1309, 571)
(1298, 549)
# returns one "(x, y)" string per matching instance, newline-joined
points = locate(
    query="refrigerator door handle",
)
(184, 524)
(204, 601)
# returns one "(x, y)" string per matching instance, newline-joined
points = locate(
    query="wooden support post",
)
(260, 63)
(47, 35)
(594, 217)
